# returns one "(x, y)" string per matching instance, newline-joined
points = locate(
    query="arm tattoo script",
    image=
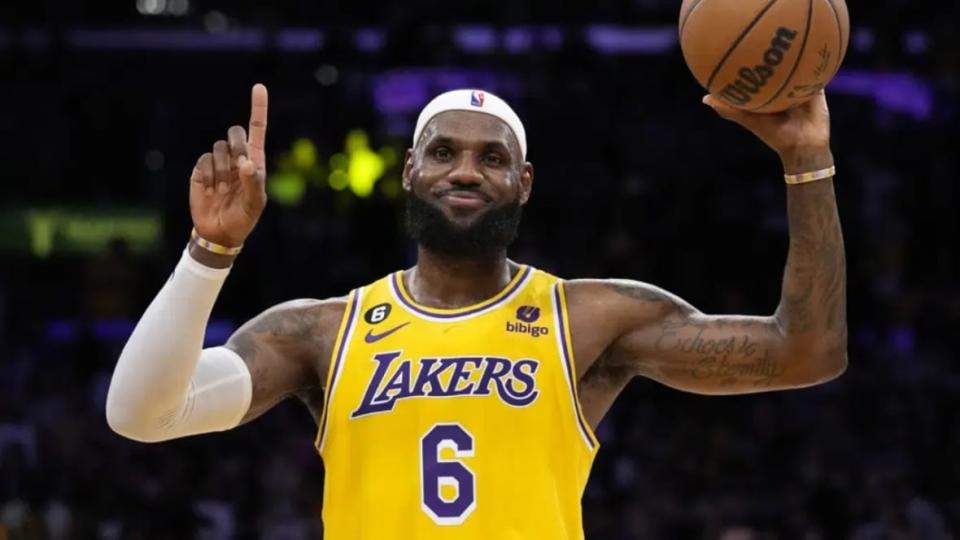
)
(721, 351)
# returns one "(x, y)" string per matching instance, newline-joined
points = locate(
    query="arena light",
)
(287, 183)
(304, 153)
(339, 180)
(476, 38)
(300, 40)
(366, 167)
(216, 22)
(178, 8)
(359, 168)
(42, 228)
(916, 42)
(151, 7)
(863, 39)
(407, 90)
(369, 39)
(614, 39)
(517, 40)
(286, 188)
(326, 75)
(900, 92)
(165, 40)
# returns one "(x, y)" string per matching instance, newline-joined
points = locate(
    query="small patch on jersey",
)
(528, 314)
(378, 313)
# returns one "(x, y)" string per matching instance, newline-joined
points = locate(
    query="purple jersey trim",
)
(567, 364)
(400, 293)
(341, 348)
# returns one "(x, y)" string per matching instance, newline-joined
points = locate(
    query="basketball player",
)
(458, 398)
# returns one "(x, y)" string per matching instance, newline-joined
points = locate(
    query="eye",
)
(493, 159)
(442, 153)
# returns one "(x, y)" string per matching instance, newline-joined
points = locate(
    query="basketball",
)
(764, 55)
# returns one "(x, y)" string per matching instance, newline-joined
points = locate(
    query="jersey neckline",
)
(406, 299)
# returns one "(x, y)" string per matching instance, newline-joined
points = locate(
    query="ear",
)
(407, 170)
(526, 182)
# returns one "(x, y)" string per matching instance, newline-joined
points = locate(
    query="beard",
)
(487, 235)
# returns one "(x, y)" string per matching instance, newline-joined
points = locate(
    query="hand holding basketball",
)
(800, 136)
(227, 187)
(764, 55)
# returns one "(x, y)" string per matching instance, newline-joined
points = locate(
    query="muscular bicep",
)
(286, 349)
(655, 334)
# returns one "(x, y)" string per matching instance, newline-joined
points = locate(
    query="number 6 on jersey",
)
(437, 473)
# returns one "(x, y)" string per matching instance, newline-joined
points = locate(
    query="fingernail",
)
(222, 187)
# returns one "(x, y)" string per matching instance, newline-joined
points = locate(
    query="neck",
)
(445, 282)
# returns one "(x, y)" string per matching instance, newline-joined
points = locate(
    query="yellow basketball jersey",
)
(455, 424)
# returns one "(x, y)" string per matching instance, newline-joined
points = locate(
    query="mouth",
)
(464, 198)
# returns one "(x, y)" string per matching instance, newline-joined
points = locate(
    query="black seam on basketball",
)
(683, 23)
(803, 47)
(840, 51)
(746, 31)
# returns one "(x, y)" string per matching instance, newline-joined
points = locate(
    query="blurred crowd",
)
(635, 179)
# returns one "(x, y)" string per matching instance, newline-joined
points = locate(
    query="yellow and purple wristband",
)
(804, 178)
(213, 247)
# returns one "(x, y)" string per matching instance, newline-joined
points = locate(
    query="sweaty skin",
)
(466, 163)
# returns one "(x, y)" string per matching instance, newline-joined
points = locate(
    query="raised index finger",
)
(258, 124)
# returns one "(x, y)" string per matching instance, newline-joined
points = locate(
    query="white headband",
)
(476, 101)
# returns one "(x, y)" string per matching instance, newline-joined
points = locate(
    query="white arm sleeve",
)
(164, 385)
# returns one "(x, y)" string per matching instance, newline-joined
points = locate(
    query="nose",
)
(466, 171)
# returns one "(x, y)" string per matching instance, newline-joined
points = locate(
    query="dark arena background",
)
(107, 105)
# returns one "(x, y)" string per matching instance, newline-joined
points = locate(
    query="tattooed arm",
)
(657, 335)
(664, 338)
(660, 336)
(638, 329)
(286, 349)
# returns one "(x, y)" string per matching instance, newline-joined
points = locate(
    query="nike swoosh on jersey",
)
(373, 338)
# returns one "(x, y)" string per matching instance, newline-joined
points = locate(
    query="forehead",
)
(470, 126)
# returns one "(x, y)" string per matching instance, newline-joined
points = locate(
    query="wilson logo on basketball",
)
(526, 316)
(751, 80)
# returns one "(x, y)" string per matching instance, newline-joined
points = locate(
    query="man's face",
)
(466, 182)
